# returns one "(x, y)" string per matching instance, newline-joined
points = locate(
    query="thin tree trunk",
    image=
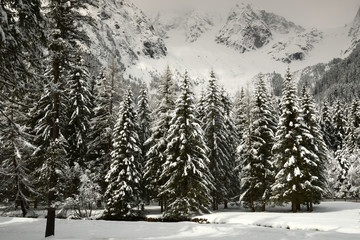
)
(293, 206)
(50, 223)
(311, 206)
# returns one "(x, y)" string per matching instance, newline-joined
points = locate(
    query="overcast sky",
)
(308, 13)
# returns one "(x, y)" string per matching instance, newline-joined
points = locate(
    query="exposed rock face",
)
(244, 30)
(194, 24)
(248, 29)
(354, 32)
(122, 31)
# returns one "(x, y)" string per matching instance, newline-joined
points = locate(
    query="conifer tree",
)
(101, 128)
(317, 157)
(157, 142)
(327, 126)
(339, 124)
(290, 153)
(233, 139)
(15, 180)
(79, 112)
(218, 142)
(241, 113)
(188, 178)
(144, 119)
(64, 41)
(261, 135)
(123, 178)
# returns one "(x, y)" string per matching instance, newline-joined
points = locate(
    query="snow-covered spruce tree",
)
(246, 160)
(218, 142)
(339, 124)
(144, 120)
(233, 139)
(79, 112)
(348, 156)
(22, 39)
(352, 138)
(341, 169)
(64, 41)
(327, 126)
(188, 179)
(290, 153)
(318, 153)
(15, 181)
(258, 168)
(122, 194)
(101, 127)
(157, 142)
(200, 105)
(241, 113)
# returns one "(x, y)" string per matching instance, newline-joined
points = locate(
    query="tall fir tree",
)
(79, 112)
(144, 120)
(64, 40)
(157, 142)
(316, 159)
(101, 127)
(327, 126)
(290, 153)
(339, 124)
(16, 149)
(241, 113)
(261, 134)
(188, 179)
(123, 178)
(218, 142)
(233, 139)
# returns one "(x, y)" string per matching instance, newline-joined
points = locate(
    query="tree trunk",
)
(307, 206)
(225, 204)
(298, 206)
(252, 205)
(161, 206)
(293, 206)
(50, 223)
(23, 207)
(263, 207)
(311, 206)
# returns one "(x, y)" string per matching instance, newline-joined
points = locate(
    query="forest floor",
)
(330, 220)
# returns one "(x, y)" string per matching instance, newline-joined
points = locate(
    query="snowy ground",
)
(330, 220)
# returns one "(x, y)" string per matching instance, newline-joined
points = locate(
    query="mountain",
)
(122, 31)
(237, 44)
(192, 23)
(248, 29)
(354, 32)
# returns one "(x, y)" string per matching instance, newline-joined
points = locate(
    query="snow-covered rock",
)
(124, 32)
(249, 29)
(193, 23)
(244, 30)
(354, 32)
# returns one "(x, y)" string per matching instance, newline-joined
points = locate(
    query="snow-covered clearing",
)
(330, 220)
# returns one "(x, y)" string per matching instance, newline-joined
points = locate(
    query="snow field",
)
(330, 220)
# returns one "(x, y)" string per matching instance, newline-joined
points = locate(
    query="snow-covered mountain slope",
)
(287, 43)
(124, 32)
(236, 44)
(248, 29)
(354, 32)
(192, 23)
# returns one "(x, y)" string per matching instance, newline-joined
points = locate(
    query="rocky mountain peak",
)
(244, 29)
